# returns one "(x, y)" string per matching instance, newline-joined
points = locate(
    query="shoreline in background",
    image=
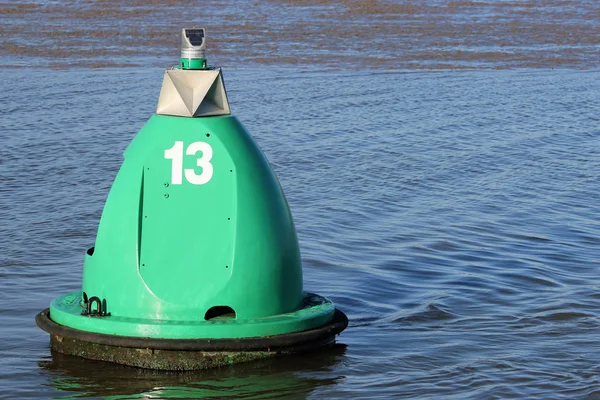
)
(418, 34)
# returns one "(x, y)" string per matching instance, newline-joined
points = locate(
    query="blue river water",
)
(441, 160)
(453, 216)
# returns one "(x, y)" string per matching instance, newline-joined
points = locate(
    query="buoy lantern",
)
(196, 262)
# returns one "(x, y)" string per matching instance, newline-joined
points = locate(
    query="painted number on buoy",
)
(175, 154)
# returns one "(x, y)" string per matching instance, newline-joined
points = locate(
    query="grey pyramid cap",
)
(193, 93)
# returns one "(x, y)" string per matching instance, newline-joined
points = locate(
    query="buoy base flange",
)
(185, 354)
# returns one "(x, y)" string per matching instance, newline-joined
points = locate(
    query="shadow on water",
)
(285, 377)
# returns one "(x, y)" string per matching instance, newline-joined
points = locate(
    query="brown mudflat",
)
(348, 34)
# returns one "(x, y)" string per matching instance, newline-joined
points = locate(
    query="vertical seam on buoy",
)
(140, 220)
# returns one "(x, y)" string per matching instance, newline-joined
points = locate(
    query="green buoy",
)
(196, 262)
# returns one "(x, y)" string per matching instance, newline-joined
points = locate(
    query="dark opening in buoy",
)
(219, 311)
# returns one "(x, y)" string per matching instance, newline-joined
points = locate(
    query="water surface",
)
(453, 215)
(340, 34)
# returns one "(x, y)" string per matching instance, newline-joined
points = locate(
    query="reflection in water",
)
(286, 377)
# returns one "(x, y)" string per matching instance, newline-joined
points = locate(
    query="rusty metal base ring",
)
(185, 354)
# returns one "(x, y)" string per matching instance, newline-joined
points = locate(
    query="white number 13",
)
(175, 154)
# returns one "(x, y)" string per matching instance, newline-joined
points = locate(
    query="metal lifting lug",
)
(99, 311)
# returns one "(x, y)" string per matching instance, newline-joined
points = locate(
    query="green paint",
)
(192, 63)
(166, 253)
(66, 310)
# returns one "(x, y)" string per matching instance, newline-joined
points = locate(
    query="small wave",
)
(432, 313)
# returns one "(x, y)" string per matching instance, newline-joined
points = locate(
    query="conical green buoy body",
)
(195, 220)
(196, 256)
(195, 228)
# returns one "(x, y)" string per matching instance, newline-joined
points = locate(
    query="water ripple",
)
(452, 216)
